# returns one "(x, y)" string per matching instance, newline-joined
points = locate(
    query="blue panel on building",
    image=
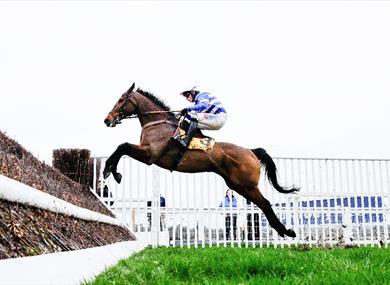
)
(333, 218)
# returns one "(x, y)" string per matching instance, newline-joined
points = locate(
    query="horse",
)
(238, 166)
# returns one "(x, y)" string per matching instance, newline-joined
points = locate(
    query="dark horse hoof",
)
(290, 233)
(106, 173)
(117, 176)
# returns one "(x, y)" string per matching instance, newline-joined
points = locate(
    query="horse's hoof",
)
(290, 233)
(117, 177)
(106, 173)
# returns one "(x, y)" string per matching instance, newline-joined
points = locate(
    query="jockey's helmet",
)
(192, 92)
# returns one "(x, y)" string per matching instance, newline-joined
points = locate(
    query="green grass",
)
(218, 265)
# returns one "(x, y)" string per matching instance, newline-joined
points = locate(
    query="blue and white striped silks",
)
(206, 103)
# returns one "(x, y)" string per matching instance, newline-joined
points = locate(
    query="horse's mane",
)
(155, 99)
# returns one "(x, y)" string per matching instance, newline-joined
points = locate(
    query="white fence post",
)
(155, 219)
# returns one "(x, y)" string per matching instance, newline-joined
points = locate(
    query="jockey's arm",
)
(200, 106)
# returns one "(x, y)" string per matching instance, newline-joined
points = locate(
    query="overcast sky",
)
(300, 79)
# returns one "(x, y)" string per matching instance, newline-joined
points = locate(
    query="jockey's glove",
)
(184, 112)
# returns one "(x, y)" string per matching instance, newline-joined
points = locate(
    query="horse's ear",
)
(131, 88)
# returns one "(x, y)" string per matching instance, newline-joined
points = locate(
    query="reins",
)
(157, 112)
(147, 113)
(154, 122)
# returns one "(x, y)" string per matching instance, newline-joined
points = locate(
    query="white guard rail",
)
(14, 191)
(71, 267)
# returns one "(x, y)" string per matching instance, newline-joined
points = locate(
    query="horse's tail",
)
(270, 170)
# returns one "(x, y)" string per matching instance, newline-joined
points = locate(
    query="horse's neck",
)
(145, 106)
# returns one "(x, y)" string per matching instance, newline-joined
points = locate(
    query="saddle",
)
(199, 141)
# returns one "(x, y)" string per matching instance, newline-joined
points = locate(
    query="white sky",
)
(297, 78)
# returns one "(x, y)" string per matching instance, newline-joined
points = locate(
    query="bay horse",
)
(238, 166)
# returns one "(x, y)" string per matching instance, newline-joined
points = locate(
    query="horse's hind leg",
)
(254, 195)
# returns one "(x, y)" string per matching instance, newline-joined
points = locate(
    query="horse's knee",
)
(123, 146)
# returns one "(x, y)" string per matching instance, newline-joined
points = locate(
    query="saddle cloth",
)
(199, 141)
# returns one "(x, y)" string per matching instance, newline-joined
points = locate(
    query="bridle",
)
(121, 115)
(123, 107)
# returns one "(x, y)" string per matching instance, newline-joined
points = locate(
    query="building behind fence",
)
(342, 201)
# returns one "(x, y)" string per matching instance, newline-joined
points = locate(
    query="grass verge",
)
(219, 265)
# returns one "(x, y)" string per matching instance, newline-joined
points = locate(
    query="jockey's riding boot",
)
(190, 133)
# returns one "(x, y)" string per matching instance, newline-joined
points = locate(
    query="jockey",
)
(207, 113)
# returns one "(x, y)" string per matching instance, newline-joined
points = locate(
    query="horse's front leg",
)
(139, 152)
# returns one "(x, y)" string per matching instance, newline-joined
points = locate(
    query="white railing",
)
(342, 201)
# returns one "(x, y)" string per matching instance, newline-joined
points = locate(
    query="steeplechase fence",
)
(342, 201)
(76, 266)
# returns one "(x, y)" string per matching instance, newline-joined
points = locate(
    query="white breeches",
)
(210, 121)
